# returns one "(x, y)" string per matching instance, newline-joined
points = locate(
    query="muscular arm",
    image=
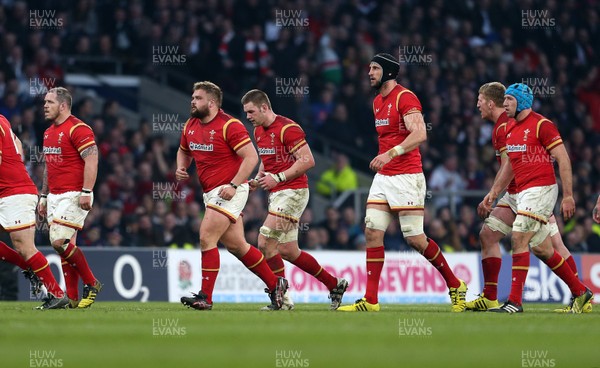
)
(44, 178)
(418, 134)
(249, 161)
(304, 162)
(502, 175)
(19, 145)
(90, 170)
(503, 178)
(183, 162)
(564, 169)
(567, 205)
(183, 159)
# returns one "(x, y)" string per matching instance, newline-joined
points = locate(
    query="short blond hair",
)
(493, 91)
(257, 97)
(62, 95)
(211, 89)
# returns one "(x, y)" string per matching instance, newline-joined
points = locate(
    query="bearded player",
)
(399, 185)
(71, 158)
(225, 157)
(498, 223)
(533, 143)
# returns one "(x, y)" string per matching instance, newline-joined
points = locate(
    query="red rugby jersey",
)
(63, 145)
(276, 146)
(213, 147)
(528, 143)
(14, 178)
(389, 123)
(499, 143)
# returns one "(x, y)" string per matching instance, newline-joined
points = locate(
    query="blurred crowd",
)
(311, 57)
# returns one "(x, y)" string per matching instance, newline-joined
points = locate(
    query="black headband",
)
(389, 65)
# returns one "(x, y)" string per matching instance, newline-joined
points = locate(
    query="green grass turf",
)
(113, 334)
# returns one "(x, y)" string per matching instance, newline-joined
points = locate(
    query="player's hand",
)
(489, 200)
(42, 206)
(181, 174)
(267, 182)
(378, 162)
(253, 183)
(226, 192)
(85, 202)
(567, 207)
(482, 211)
(596, 214)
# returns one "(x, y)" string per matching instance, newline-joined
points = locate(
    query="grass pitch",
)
(113, 334)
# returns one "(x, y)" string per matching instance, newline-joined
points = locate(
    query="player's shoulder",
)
(224, 119)
(401, 91)
(73, 123)
(4, 125)
(284, 123)
(539, 117)
(189, 123)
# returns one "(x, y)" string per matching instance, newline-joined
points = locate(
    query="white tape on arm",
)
(396, 151)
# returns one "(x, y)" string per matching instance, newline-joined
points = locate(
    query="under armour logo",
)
(190, 132)
(17, 221)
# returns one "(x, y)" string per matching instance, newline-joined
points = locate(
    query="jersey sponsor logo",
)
(201, 147)
(266, 151)
(516, 147)
(52, 150)
(382, 122)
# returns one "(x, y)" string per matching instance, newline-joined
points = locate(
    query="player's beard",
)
(377, 86)
(200, 113)
(51, 117)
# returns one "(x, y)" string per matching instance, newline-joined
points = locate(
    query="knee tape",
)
(540, 236)
(60, 232)
(267, 232)
(495, 224)
(553, 228)
(411, 225)
(290, 236)
(377, 219)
